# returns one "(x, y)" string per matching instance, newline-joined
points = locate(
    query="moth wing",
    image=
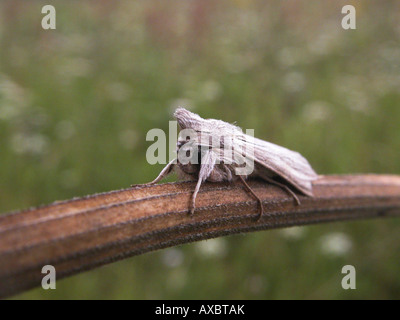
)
(288, 164)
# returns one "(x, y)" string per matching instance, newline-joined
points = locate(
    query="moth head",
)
(190, 120)
(195, 130)
(187, 119)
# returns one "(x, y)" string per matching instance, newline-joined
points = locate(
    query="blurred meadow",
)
(76, 104)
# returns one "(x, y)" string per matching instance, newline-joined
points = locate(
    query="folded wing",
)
(288, 164)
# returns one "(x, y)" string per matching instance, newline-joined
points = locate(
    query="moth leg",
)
(196, 191)
(206, 167)
(253, 193)
(164, 173)
(272, 181)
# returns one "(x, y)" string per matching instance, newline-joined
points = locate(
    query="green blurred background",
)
(76, 104)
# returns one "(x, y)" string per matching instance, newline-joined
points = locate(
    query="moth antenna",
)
(257, 197)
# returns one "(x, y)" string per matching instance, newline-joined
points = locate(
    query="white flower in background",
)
(327, 39)
(293, 233)
(294, 81)
(13, 99)
(212, 248)
(316, 111)
(211, 90)
(172, 257)
(358, 101)
(354, 90)
(336, 244)
(288, 56)
(35, 144)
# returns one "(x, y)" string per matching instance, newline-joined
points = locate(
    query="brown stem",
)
(81, 234)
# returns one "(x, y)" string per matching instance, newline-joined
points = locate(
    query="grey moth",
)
(209, 141)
